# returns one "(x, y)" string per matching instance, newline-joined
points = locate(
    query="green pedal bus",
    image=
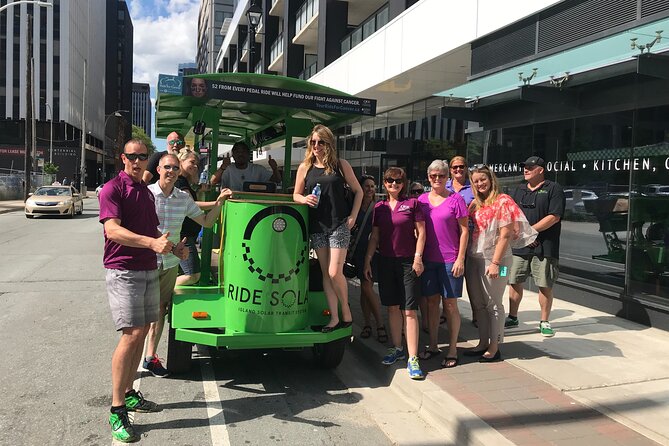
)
(262, 296)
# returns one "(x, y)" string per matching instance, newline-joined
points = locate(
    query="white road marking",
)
(217, 425)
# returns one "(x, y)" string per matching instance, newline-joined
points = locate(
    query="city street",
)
(57, 344)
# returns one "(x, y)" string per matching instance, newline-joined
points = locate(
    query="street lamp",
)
(118, 114)
(253, 14)
(50, 133)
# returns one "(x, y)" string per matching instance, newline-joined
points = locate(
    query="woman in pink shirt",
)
(447, 234)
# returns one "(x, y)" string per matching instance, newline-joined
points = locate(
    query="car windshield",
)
(54, 191)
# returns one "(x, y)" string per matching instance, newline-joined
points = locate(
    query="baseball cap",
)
(534, 161)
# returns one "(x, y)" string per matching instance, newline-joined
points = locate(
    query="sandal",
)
(381, 334)
(442, 319)
(429, 354)
(449, 362)
(366, 332)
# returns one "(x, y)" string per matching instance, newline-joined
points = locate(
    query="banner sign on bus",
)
(211, 89)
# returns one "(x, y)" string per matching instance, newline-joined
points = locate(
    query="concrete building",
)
(210, 20)
(187, 69)
(497, 81)
(141, 107)
(68, 49)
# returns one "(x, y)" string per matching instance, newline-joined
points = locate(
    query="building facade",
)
(118, 86)
(581, 83)
(187, 69)
(211, 16)
(68, 86)
(141, 107)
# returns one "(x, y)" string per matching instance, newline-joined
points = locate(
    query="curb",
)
(436, 407)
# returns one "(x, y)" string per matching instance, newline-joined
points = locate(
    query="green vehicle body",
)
(262, 298)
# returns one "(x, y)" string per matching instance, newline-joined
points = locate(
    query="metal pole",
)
(82, 173)
(50, 133)
(29, 75)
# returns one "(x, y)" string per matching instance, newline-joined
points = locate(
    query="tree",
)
(50, 168)
(139, 133)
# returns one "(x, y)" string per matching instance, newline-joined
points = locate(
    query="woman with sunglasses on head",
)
(447, 235)
(398, 231)
(498, 224)
(330, 216)
(187, 181)
(369, 300)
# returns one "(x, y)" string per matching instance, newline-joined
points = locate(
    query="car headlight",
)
(61, 203)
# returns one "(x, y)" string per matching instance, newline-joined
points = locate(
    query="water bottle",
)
(204, 176)
(317, 192)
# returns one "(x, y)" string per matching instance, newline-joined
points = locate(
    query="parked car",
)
(98, 189)
(576, 204)
(54, 200)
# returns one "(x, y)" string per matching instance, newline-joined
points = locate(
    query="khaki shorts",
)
(544, 271)
(167, 279)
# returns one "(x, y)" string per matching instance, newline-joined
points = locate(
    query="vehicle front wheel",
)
(179, 354)
(330, 354)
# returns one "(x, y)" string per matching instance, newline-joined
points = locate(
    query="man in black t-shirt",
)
(543, 203)
(175, 142)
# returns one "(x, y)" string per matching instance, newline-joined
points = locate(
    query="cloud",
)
(165, 35)
(164, 39)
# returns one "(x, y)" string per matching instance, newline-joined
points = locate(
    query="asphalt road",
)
(57, 341)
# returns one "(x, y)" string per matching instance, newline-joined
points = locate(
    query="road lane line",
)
(217, 425)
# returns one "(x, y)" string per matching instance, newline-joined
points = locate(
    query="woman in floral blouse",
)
(499, 225)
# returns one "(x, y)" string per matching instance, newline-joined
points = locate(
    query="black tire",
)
(179, 354)
(330, 354)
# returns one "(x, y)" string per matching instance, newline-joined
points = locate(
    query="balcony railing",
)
(309, 71)
(366, 29)
(277, 48)
(304, 14)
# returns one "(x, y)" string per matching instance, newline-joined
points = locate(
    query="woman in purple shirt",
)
(395, 223)
(447, 234)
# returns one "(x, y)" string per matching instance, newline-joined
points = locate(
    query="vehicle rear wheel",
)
(330, 354)
(179, 354)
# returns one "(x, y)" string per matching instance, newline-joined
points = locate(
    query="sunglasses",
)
(320, 143)
(458, 167)
(394, 180)
(479, 167)
(437, 176)
(176, 142)
(417, 191)
(170, 167)
(136, 156)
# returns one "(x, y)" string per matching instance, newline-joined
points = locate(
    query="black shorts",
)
(398, 284)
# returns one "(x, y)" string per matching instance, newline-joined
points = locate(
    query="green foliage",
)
(50, 168)
(139, 133)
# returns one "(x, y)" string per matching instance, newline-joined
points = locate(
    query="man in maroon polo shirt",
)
(132, 239)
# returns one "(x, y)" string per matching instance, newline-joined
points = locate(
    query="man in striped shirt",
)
(172, 206)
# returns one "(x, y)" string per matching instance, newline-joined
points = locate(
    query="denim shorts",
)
(191, 265)
(339, 238)
(438, 279)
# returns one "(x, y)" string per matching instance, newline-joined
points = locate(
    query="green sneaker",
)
(121, 428)
(510, 322)
(135, 402)
(414, 369)
(546, 330)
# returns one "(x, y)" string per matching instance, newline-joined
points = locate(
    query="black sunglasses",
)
(394, 180)
(176, 142)
(320, 143)
(479, 167)
(136, 156)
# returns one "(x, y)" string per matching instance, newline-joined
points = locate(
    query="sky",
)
(164, 36)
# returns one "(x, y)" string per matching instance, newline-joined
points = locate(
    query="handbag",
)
(350, 268)
(349, 195)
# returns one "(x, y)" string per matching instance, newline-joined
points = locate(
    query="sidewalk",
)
(11, 205)
(600, 380)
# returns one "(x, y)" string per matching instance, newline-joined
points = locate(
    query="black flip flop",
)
(366, 332)
(429, 354)
(449, 362)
